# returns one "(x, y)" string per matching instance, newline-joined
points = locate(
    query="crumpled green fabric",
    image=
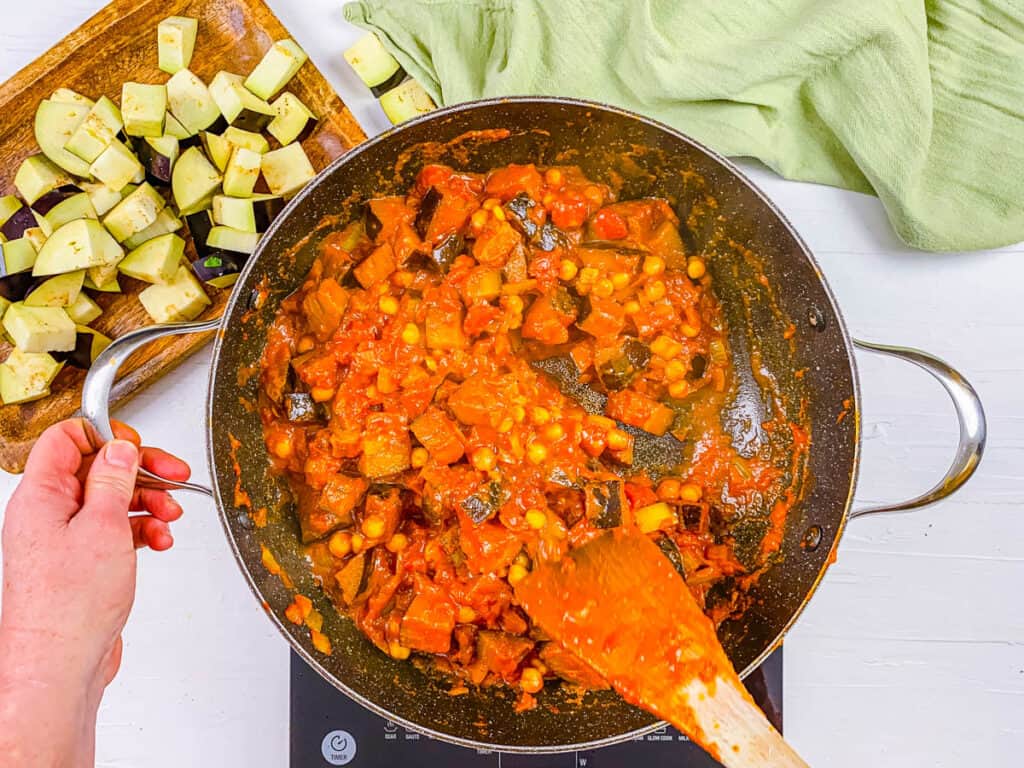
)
(918, 101)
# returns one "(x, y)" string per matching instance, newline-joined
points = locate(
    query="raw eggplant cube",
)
(239, 106)
(287, 170)
(228, 239)
(116, 166)
(55, 123)
(278, 66)
(173, 127)
(68, 96)
(158, 156)
(253, 141)
(75, 207)
(36, 176)
(79, 244)
(109, 287)
(26, 376)
(194, 181)
(165, 223)
(16, 256)
(199, 225)
(39, 329)
(218, 149)
(88, 345)
(292, 121)
(15, 218)
(406, 101)
(371, 61)
(99, 128)
(143, 108)
(102, 197)
(242, 173)
(180, 300)
(176, 41)
(58, 291)
(155, 261)
(250, 214)
(136, 212)
(191, 102)
(83, 310)
(37, 237)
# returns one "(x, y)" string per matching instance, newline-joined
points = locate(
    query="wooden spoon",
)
(617, 603)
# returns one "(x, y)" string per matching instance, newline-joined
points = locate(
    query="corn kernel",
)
(554, 177)
(631, 307)
(402, 278)
(358, 542)
(283, 447)
(540, 415)
(499, 213)
(322, 394)
(431, 364)
(465, 614)
(668, 489)
(398, 651)
(537, 452)
(411, 333)
(588, 275)
(620, 280)
(567, 270)
(666, 347)
(380, 289)
(397, 543)
(604, 288)
(675, 370)
(655, 290)
(372, 392)
(388, 305)
(691, 492)
(484, 459)
(653, 266)
(593, 194)
(374, 526)
(653, 516)
(618, 440)
(506, 424)
(340, 544)
(518, 413)
(554, 432)
(531, 680)
(513, 304)
(306, 343)
(516, 573)
(689, 331)
(523, 559)
(478, 220)
(679, 389)
(536, 519)
(490, 203)
(419, 457)
(695, 268)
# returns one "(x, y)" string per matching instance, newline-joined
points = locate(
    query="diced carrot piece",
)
(439, 435)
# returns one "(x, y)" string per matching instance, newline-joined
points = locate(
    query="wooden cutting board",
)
(118, 44)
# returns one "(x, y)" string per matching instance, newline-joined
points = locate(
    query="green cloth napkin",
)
(918, 101)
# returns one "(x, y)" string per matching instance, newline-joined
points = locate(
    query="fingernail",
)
(120, 453)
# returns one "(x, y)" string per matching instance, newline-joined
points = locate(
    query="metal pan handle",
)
(969, 414)
(100, 380)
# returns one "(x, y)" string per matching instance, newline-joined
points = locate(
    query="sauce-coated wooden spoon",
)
(617, 603)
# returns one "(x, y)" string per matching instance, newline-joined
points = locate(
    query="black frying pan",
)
(765, 277)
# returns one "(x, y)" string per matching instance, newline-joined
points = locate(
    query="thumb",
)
(110, 483)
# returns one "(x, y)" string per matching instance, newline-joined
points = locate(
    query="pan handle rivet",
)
(811, 539)
(816, 319)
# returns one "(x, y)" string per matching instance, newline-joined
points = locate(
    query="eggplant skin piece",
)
(301, 407)
(485, 503)
(54, 197)
(442, 256)
(428, 207)
(81, 355)
(20, 220)
(158, 166)
(371, 224)
(217, 263)
(550, 237)
(518, 210)
(17, 286)
(619, 372)
(605, 502)
(671, 551)
(199, 226)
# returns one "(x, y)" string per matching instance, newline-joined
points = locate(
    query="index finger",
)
(50, 484)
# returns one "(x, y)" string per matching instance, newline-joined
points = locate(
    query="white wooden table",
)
(912, 651)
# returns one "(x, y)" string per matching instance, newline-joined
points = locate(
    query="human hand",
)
(69, 558)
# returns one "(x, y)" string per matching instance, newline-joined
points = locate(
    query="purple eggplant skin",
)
(428, 207)
(266, 211)
(158, 167)
(17, 286)
(81, 355)
(44, 204)
(392, 82)
(21, 220)
(217, 263)
(199, 226)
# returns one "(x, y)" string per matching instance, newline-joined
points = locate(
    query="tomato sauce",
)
(460, 389)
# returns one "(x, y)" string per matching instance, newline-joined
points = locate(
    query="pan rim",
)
(236, 297)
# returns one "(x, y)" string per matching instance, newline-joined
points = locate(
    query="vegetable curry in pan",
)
(486, 373)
